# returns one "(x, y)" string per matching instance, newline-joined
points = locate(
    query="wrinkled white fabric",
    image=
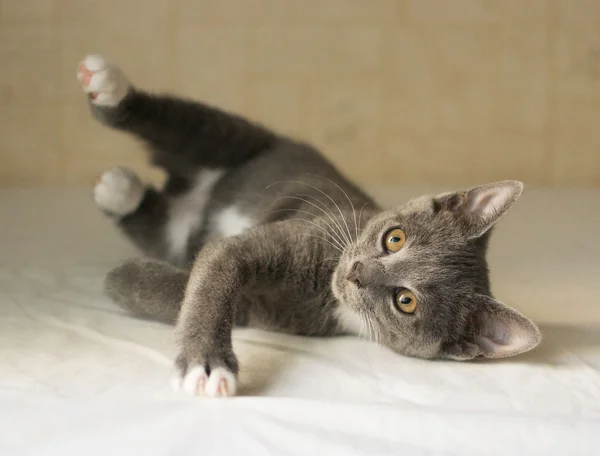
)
(78, 376)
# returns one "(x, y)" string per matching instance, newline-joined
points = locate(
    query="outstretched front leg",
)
(273, 277)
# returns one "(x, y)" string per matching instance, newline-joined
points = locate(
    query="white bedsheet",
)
(77, 376)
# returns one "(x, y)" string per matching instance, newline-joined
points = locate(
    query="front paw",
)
(206, 378)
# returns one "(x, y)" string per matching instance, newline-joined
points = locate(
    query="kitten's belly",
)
(186, 214)
(230, 221)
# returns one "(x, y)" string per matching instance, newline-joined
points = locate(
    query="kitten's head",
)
(417, 276)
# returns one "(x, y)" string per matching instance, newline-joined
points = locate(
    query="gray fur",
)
(148, 288)
(309, 228)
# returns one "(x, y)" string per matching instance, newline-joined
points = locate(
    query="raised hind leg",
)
(184, 136)
(196, 144)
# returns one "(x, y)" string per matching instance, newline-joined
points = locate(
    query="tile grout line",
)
(173, 11)
(248, 78)
(58, 137)
(548, 167)
(386, 85)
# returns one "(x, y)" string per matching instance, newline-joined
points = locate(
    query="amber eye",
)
(405, 301)
(394, 240)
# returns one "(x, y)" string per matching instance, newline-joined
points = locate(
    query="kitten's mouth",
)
(337, 284)
(342, 286)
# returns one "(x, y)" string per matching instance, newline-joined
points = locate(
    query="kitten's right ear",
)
(479, 208)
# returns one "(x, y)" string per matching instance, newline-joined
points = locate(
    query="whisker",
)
(320, 191)
(326, 240)
(347, 197)
(374, 335)
(337, 238)
(345, 239)
(328, 259)
(371, 335)
(377, 332)
(337, 223)
(311, 235)
(363, 327)
(360, 216)
(319, 227)
(370, 326)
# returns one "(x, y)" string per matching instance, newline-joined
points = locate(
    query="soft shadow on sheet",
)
(564, 344)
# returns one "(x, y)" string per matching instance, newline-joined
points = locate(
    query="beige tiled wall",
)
(393, 91)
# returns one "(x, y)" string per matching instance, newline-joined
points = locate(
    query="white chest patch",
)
(231, 222)
(349, 322)
(186, 213)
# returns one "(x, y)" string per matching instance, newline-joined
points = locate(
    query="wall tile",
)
(237, 12)
(147, 15)
(322, 53)
(454, 159)
(201, 73)
(19, 11)
(28, 65)
(343, 120)
(410, 100)
(574, 140)
(490, 78)
(344, 12)
(577, 142)
(577, 60)
(471, 78)
(576, 12)
(280, 105)
(474, 11)
(91, 148)
(28, 146)
(276, 12)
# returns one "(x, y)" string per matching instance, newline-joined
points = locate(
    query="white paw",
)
(220, 383)
(119, 191)
(106, 84)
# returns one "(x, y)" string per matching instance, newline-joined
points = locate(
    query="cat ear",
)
(494, 330)
(481, 207)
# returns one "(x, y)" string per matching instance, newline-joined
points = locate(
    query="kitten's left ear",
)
(481, 207)
(494, 330)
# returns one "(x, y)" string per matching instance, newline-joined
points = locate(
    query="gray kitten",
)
(277, 238)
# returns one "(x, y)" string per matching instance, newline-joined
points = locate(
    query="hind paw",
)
(119, 191)
(105, 84)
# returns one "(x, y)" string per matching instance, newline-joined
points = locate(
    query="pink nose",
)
(355, 274)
